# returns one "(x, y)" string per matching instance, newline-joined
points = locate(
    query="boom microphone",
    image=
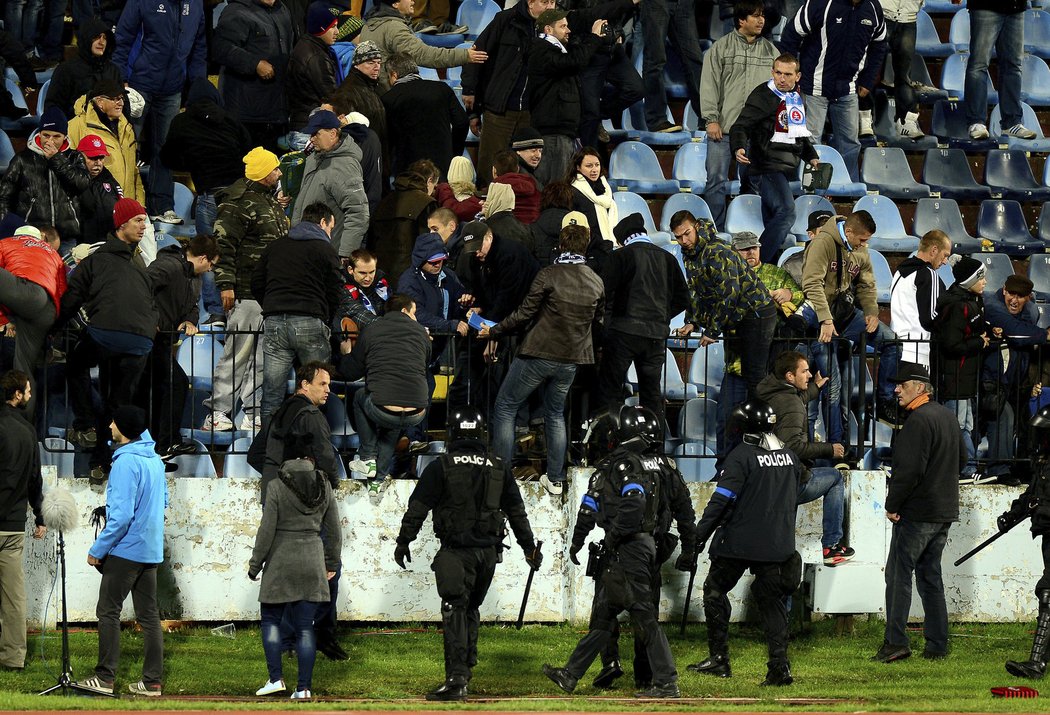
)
(59, 510)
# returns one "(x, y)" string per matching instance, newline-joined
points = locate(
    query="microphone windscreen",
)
(59, 509)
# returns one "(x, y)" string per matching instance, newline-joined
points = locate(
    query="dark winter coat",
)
(500, 283)
(500, 83)
(958, 344)
(753, 130)
(425, 121)
(299, 274)
(112, 286)
(371, 162)
(554, 84)
(400, 218)
(436, 296)
(20, 482)
(644, 289)
(359, 93)
(546, 232)
(507, 226)
(928, 455)
(13, 55)
(206, 140)
(247, 33)
(76, 76)
(310, 79)
(176, 288)
(95, 205)
(160, 45)
(792, 427)
(43, 191)
(393, 356)
(364, 305)
(296, 430)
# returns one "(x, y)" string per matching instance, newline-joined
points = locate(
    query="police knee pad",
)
(1043, 595)
(791, 573)
(455, 604)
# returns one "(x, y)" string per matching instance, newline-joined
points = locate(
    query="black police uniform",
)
(1035, 501)
(676, 505)
(753, 509)
(623, 498)
(471, 494)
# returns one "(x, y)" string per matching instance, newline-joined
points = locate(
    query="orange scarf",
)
(918, 402)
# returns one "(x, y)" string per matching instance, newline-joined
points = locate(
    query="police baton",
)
(528, 587)
(689, 593)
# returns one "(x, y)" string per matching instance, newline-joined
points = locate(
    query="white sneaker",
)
(301, 695)
(250, 424)
(866, 128)
(555, 489)
(168, 216)
(978, 131)
(1020, 131)
(149, 691)
(909, 128)
(217, 422)
(366, 468)
(97, 684)
(271, 687)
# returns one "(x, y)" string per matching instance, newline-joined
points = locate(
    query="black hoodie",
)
(957, 338)
(20, 482)
(206, 140)
(76, 76)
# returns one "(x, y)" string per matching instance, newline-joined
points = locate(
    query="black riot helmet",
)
(639, 426)
(467, 423)
(752, 419)
(1040, 424)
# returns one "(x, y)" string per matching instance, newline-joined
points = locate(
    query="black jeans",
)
(608, 85)
(119, 578)
(755, 336)
(902, 51)
(916, 547)
(463, 578)
(163, 394)
(647, 354)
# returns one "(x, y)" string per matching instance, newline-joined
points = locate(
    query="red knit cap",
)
(125, 210)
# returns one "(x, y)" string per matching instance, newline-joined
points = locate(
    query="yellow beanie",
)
(258, 163)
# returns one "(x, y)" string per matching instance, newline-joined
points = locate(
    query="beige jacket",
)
(820, 269)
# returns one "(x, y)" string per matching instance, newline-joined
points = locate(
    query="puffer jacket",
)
(42, 191)
(248, 220)
(76, 76)
(112, 285)
(249, 32)
(122, 161)
(160, 45)
(335, 178)
(562, 306)
(35, 261)
(311, 79)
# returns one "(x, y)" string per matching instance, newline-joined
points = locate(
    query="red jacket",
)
(526, 195)
(37, 262)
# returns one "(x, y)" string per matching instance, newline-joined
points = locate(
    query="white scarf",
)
(554, 41)
(790, 121)
(604, 206)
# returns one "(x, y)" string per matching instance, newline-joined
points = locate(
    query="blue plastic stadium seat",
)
(959, 32)
(1008, 173)
(745, 214)
(1037, 33)
(1003, 223)
(183, 207)
(788, 253)
(889, 228)
(42, 97)
(637, 130)
(690, 166)
(1044, 224)
(880, 267)
(943, 7)
(805, 205)
(445, 41)
(927, 41)
(949, 124)
(674, 386)
(944, 215)
(886, 170)
(1028, 117)
(634, 166)
(999, 267)
(344, 436)
(691, 122)
(919, 73)
(1039, 273)
(953, 78)
(688, 202)
(707, 368)
(697, 421)
(1035, 82)
(476, 14)
(235, 465)
(948, 171)
(628, 202)
(196, 465)
(841, 186)
(695, 461)
(198, 356)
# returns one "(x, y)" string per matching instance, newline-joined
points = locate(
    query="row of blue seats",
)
(928, 42)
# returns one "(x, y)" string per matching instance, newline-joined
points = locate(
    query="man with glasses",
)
(101, 114)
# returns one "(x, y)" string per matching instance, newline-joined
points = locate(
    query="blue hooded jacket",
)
(436, 296)
(160, 44)
(136, 496)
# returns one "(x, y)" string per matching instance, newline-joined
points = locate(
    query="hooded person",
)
(90, 65)
(399, 219)
(100, 113)
(435, 288)
(42, 181)
(459, 193)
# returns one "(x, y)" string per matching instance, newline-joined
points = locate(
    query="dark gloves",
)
(534, 557)
(573, 551)
(253, 576)
(1013, 516)
(402, 554)
(685, 562)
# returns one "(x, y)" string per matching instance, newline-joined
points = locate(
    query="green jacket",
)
(248, 220)
(774, 277)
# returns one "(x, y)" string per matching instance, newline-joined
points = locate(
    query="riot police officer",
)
(623, 498)
(675, 505)
(472, 494)
(753, 509)
(1035, 502)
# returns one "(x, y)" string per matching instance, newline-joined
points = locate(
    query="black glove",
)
(685, 562)
(253, 577)
(1013, 516)
(573, 551)
(402, 554)
(534, 558)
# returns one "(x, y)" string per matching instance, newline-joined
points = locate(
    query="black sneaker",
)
(561, 677)
(889, 653)
(778, 675)
(716, 665)
(838, 554)
(424, 26)
(660, 692)
(664, 127)
(608, 675)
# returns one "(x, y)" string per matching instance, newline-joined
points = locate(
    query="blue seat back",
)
(7, 151)
(688, 202)
(635, 160)
(628, 202)
(880, 267)
(1035, 81)
(888, 223)
(999, 267)
(1038, 272)
(886, 165)
(1008, 169)
(745, 214)
(959, 31)
(941, 214)
(1002, 221)
(1028, 118)
(805, 205)
(1037, 33)
(947, 167)
(476, 14)
(690, 164)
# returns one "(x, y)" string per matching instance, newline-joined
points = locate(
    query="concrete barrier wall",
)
(211, 523)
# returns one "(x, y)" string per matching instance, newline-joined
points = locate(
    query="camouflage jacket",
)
(723, 288)
(774, 278)
(248, 220)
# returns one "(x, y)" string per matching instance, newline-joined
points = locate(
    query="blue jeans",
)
(845, 122)
(525, 376)
(50, 47)
(883, 340)
(719, 157)
(916, 547)
(826, 482)
(672, 20)
(20, 19)
(288, 338)
(1006, 32)
(297, 141)
(778, 211)
(301, 614)
(152, 129)
(963, 411)
(205, 213)
(380, 429)
(823, 358)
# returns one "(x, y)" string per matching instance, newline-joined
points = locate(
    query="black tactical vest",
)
(471, 508)
(608, 482)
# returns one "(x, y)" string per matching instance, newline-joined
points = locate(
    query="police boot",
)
(454, 688)
(1035, 666)
(778, 673)
(561, 677)
(716, 664)
(607, 677)
(660, 692)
